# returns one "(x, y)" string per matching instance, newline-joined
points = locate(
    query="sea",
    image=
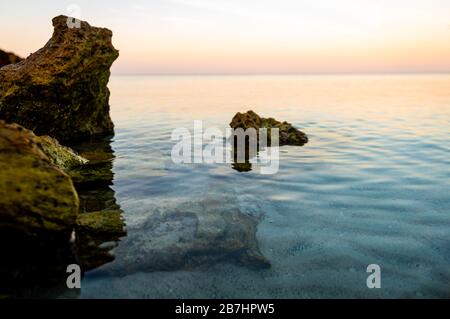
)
(371, 187)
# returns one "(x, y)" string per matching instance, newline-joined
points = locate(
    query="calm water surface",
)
(371, 187)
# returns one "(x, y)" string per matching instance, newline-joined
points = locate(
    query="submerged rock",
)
(189, 235)
(36, 196)
(186, 239)
(288, 135)
(61, 90)
(7, 58)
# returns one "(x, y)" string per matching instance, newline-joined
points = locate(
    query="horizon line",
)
(285, 74)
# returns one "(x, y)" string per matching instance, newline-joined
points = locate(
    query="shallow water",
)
(371, 187)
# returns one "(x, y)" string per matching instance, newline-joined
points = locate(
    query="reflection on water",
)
(371, 187)
(37, 268)
(190, 234)
(105, 227)
(172, 237)
(243, 164)
(242, 167)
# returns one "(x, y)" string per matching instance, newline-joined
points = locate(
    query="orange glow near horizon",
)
(246, 37)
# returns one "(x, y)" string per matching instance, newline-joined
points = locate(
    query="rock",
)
(8, 58)
(36, 196)
(63, 157)
(98, 171)
(288, 135)
(187, 239)
(35, 265)
(189, 235)
(61, 90)
(102, 222)
(98, 233)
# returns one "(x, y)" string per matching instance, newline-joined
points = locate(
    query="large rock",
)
(35, 266)
(36, 196)
(8, 58)
(61, 90)
(288, 135)
(190, 234)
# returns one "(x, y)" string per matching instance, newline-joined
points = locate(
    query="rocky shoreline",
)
(56, 200)
(58, 94)
(60, 91)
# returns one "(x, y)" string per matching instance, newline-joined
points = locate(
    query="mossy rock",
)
(288, 135)
(102, 222)
(36, 196)
(63, 157)
(61, 90)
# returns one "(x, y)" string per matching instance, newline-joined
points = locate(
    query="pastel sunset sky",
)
(250, 36)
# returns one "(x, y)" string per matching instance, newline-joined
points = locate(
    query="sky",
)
(250, 36)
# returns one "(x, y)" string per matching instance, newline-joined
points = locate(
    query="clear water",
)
(371, 187)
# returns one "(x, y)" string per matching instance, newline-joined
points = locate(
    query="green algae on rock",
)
(39, 209)
(36, 196)
(7, 58)
(288, 135)
(61, 90)
(63, 157)
(102, 222)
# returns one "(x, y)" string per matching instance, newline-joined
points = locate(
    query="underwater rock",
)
(61, 90)
(8, 58)
(190, 235)
(288, 135)
(36, 196)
